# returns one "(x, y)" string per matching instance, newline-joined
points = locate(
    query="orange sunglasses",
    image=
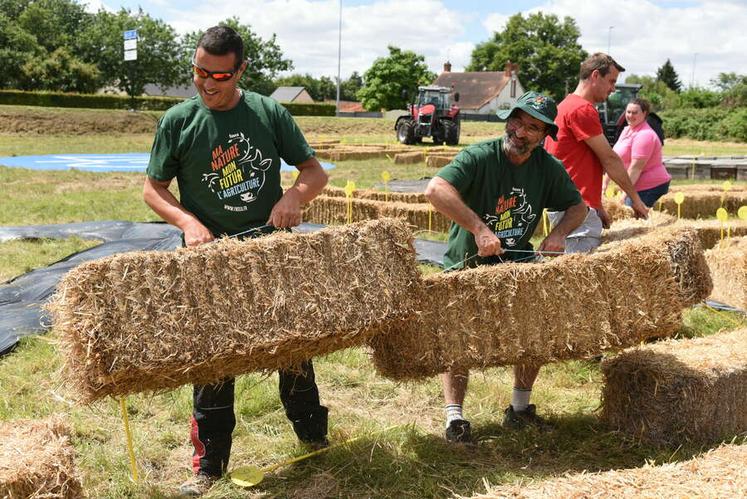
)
(215, 75)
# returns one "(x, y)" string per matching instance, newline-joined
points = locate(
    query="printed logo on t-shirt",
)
(237, 172)
(512, 218)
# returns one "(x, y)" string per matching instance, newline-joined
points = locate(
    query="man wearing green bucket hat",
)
(495, 192)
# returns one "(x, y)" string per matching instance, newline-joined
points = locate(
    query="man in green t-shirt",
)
(224, 147)
(495, 193)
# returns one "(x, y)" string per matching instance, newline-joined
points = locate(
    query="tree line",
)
(57, 45)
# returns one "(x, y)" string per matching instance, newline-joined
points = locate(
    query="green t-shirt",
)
(227, 163)
(508, 198)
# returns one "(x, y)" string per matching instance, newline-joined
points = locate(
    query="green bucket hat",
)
(537, 106)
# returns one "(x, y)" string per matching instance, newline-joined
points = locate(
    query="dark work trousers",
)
(213, 419)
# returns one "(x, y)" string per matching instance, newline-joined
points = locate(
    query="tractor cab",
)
(612, 112)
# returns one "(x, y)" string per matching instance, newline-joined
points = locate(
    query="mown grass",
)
(411, 460)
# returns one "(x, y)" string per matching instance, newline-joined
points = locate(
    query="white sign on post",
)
(130, 45)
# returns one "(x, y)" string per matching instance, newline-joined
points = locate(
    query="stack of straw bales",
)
(574, 306)
(728, 265)
(37, 460)
(397, 197)
(409, 158)
(334, 210)
(157, 320)
(720, 472)
(675, 391)
(710, 231)
(703, 204)
(439, 160)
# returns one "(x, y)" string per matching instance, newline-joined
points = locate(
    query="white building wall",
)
(503, 100)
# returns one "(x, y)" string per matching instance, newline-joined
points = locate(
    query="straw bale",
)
(422, 216)
(719, 187)
(617, 210)
(728, 266)
(709, 231)
(571, 307)
(409, 158)
(156, 320)
(676, 391)
(334, 210)
(634, 227)
(720, 472)
(400, 197)
(37, 460)
(703, 204)
(438, 161)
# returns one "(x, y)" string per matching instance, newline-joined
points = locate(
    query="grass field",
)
(411, 460)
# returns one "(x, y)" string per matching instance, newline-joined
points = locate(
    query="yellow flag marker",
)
(679, 198)
(128, 435)
(545, 223)
(385, 176)
(294, 174)
(726, 185)
(349, 190)
(722, 216)
(430, 217)
(742, 212)
(611, 192)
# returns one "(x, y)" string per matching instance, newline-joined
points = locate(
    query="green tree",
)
(60, 71)
(545, 48)
(265, 57)
(349, 88)
(54, 23)
(669, 76)
(157, 61)
(389, 76)
(16, 47)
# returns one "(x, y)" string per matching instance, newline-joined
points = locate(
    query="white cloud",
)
(307, 31)
(647, 33)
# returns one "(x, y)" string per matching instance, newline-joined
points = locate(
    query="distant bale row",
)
(728, 265)
(575, 306)
(720, 472)
(151, 320)
(678, 391)
(703, 204)
(37, 460)
(334, 210)
(399, 197)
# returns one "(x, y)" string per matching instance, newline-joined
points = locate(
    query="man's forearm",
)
(446, 199)
(311, 180)
(164, 204)
(572, 219)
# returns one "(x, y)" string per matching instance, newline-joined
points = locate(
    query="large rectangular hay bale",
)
(409, 158)
(37, 460)
(575, 306)
(710, 231)
(703, 204)
(728, 265)
(720, 472)
(156, 320)
(676, 391)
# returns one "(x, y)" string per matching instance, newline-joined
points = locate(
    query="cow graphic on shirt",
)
(238, 172)
(512, 218)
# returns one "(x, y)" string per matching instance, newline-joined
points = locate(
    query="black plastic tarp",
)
(22, 298)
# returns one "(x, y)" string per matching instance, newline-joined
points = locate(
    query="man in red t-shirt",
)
(585, 152)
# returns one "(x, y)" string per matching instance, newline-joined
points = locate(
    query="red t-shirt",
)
(577, 121)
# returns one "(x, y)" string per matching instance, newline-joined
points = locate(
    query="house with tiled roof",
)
(483, 92)
(292, 94)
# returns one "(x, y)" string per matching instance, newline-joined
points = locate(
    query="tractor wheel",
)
(451, 133)
(438, 134)
(406, 132)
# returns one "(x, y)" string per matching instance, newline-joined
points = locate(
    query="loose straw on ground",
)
(573, 307)
(37, 460)
(718, 473)
(156, 320)
(678, 391)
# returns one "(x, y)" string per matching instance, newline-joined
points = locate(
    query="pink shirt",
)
(642, 142)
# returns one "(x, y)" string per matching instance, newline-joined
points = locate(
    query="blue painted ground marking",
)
(131, 162)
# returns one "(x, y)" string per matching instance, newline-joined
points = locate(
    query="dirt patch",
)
(55, 121)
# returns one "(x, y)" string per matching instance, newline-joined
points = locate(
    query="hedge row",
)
(707, 124)
(105, 101)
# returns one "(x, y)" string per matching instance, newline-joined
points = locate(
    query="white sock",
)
(453, 412)
(520, 399)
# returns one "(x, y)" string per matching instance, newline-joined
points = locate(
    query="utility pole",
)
(339, 58)
(692, 77)
(609, 39)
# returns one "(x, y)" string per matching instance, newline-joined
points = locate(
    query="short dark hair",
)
(642, 103)
(598, 62)
(222, 40)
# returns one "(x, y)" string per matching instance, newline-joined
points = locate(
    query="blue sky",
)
(702, 38)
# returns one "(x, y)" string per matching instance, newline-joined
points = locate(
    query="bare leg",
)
(455, 386)
(524, 376)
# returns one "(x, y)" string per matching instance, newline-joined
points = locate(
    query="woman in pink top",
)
(640, 150)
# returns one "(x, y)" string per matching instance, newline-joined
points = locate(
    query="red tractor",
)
(434, 115)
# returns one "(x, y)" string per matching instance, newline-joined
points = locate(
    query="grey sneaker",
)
(459, 431)
(516, 420)
(197, 485)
